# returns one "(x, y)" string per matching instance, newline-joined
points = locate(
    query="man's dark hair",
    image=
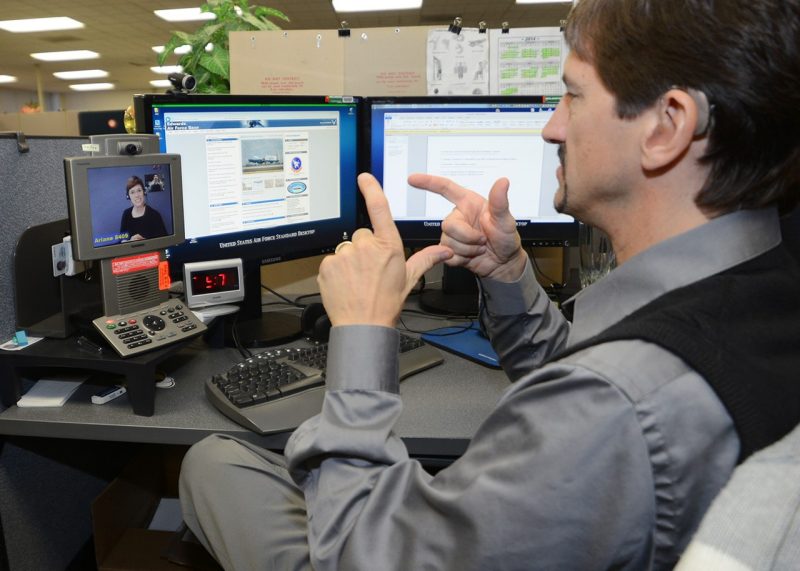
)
(743, 54)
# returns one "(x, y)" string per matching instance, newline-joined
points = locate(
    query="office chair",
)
(754, 523)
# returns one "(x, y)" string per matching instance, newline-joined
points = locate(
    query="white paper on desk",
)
(11, 345)
(50, 392)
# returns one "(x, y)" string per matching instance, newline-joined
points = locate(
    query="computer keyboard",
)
(278, 389)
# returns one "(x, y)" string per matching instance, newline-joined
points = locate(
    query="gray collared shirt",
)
(609, 464)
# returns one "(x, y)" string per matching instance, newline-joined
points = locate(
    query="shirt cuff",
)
(511, 298)
(363, 357)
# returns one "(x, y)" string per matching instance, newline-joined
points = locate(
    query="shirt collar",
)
(715, 246)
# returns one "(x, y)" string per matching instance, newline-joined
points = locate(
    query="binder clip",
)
(455, 27)
(344, 30)
(481, 27)
(504, 27)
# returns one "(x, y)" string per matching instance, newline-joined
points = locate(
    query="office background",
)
(47, 485)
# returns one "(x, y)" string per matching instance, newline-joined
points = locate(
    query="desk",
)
(48, 468)
(443, 408)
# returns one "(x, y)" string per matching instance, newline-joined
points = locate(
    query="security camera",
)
(129, 148)
(182, 82)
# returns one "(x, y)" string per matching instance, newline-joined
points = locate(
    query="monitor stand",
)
(254, 328)
(458, 296)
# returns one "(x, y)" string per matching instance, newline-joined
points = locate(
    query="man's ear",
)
(676, 122)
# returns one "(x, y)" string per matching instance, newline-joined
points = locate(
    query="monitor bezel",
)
(78, 204)
(419, 233)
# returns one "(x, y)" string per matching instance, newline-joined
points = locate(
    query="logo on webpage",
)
(297, 165)
(296, 187)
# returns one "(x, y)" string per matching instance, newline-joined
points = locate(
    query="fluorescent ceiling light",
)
(184, 15)
(81, 74)
(40, 25)
(544, 1)
(91, 86)
(66, 56)
(180, 50)
(161, 83)
(374, 5)
(7, 79)
(167, 69)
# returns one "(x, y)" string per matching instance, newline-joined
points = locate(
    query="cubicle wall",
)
(32, 192)
(45, 486)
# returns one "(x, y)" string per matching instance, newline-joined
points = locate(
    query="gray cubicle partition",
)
(45, 486)
(31, 192)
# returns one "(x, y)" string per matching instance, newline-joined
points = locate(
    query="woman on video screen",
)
(140, 221)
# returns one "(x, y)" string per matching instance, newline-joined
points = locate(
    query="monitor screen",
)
(265, 178)
(474, 141)
(121, 205)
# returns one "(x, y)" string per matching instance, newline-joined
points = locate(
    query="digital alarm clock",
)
(213, 283)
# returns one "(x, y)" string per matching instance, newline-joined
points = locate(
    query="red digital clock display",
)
(215, 281)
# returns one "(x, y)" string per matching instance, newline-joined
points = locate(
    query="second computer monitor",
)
(474, 141)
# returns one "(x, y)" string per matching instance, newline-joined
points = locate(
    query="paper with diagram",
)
(458, 64)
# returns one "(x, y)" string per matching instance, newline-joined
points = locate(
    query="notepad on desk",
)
(469, 343)
(51, 392)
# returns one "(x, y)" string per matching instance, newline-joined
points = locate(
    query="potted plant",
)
(211, 66)
(31, 107)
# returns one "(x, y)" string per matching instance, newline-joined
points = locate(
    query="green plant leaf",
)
(212, 69)
(217, 62)
(263, 12)
(258, 24)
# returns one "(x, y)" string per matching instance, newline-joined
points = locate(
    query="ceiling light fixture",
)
(91, 86)
(544, 1)
(7, 79)
(184, 15)
(374, 5)
(81, 74)
(71, 55)
(40, 25)
(161, 83)
(167, 69)
(180, 50)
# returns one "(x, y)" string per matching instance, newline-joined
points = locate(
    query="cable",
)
(284, 298)
(461, 328)
(553, 283)
(243, 351)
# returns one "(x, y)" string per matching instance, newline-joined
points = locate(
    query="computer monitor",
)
(102, 193)
(266, 179)
(473, 140)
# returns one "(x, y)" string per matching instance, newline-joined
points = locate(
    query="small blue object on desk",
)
(469, 343)
(21, 338)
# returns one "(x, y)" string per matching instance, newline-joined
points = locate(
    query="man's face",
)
(597, 149)
(136, 194)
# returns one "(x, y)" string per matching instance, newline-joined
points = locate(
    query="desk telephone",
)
(148, 329)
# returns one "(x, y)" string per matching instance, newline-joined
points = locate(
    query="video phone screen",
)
(130, 203)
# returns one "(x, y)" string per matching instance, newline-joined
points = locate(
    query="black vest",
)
(740, 330)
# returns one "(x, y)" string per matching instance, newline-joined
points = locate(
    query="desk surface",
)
(443, 408)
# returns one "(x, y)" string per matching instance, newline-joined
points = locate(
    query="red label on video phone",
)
(163, 276)
(121, 266)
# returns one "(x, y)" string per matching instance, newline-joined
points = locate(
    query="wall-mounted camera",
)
(182, 82)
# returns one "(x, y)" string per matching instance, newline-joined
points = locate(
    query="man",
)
(678, 138)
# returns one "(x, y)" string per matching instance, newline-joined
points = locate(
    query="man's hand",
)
(481, 233)
(367, 282)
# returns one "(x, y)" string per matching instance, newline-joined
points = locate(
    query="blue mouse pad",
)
(467, 343)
